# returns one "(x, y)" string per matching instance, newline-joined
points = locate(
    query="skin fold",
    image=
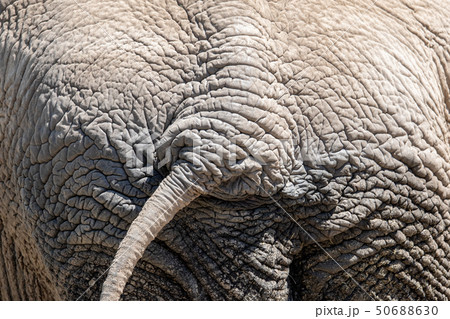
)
(224, 150)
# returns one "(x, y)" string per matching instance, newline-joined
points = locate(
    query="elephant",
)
(225, 150)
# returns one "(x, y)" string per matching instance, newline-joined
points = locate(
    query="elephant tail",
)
(174, 193)
(229, 157)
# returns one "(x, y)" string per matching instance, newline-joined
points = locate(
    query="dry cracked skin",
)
(266, 149)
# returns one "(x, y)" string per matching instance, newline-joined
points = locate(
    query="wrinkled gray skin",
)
(336, 110)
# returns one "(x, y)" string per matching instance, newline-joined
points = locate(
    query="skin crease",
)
(337, 110)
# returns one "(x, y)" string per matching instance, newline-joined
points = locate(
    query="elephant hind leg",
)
(23, 274)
